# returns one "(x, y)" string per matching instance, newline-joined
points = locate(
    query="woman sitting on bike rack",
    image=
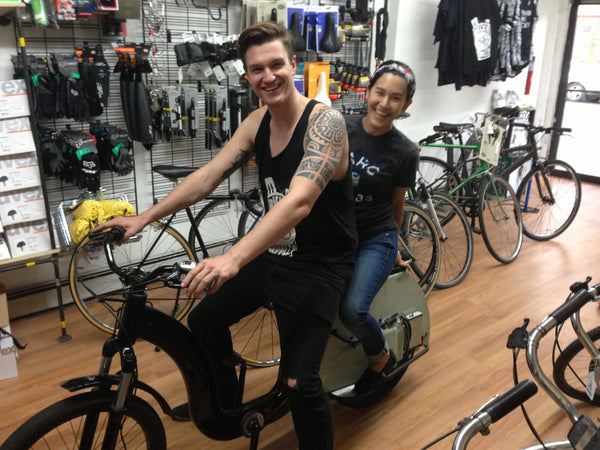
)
(384, 165)
(299, 256)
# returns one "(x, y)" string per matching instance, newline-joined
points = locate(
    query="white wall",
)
(410, 39)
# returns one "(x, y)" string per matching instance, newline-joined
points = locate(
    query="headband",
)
(400, 69)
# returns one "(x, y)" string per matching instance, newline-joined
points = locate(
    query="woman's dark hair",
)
(261, 33)
(400, 69)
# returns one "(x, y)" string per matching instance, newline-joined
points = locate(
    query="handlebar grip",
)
(508, 401)
(574, 304)
(111, 235)
(562, 130)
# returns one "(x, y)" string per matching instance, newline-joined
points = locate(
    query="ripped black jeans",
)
(305, 300)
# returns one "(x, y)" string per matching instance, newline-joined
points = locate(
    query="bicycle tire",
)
(418, 236)
(546, 217)
(97, 291)
(456, 247)
(221, 224)
(571, 369)
(500, 219)
(59, 425)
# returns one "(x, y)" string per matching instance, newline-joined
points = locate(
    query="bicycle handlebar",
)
(538, 129)
(492, 411)
(135, 277)
(555, 318)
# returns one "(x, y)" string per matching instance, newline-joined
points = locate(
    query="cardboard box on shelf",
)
(19, 172)
(27, 238)
(16, 136)
(13, 99)
(24, 205)
(4, 252)
(8, 355)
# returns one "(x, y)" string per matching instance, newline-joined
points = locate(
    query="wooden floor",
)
(468, 362)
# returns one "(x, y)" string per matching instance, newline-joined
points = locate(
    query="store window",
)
(582, 105)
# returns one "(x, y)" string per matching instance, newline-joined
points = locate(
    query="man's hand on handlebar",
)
(132, 226)
(209, 275)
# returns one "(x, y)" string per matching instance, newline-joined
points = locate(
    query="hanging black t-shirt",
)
(327, 236)
(380, 164)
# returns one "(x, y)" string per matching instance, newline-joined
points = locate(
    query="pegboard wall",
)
(164, 24)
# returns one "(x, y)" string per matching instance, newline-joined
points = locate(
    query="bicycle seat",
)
(173, 173)
(451, 127)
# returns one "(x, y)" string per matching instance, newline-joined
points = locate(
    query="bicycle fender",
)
(106, 381)
(92, 381)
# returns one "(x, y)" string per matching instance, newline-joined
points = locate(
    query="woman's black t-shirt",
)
(380, 164)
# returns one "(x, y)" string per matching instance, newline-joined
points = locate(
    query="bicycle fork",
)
(497, 217)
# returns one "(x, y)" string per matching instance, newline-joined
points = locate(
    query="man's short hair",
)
(261, 33)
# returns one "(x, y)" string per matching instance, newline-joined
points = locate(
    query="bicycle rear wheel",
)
(98, 292)
(221, 224)
(549, 196)
(572, 367)
(456, 244)
(89, 421)
(418, 240)
(500, 219)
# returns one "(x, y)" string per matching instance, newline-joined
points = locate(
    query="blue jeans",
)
(374, 262)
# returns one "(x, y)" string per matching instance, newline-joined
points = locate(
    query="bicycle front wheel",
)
(500, 219)
(572, 367)
(456, 242)
(89, 421)
(549, 196)
(419, 242)
(98, 292)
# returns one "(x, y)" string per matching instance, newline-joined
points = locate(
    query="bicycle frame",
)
(139, 321)
(483, 169)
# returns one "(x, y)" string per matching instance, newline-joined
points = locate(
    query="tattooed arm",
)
(325, 158)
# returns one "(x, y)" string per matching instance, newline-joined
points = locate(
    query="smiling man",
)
(300, 255)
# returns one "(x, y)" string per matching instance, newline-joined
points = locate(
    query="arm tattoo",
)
(324, 144)
(241, 158)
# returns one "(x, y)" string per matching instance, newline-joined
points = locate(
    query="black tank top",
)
(328, 234)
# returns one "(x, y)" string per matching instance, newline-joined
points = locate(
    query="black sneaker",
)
(371, 380)
(181, 413)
